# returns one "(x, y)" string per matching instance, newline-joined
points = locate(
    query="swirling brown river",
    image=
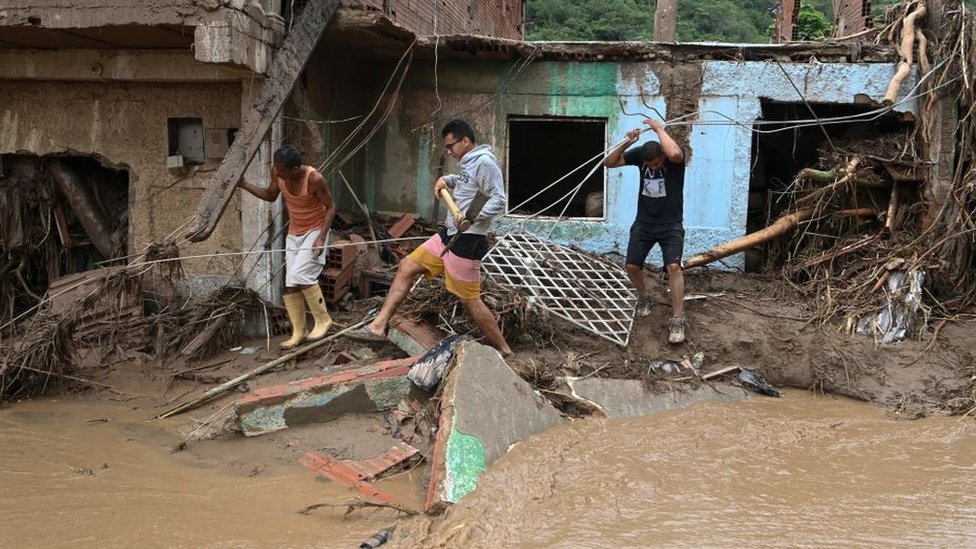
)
(801, 471)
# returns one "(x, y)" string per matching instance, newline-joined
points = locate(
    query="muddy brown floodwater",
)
(68, 479)
(801, 471)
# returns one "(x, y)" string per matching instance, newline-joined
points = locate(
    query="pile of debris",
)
(104, 311)
(877, 211)
(60, 215)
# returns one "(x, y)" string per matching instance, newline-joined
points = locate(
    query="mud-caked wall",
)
(126, 125)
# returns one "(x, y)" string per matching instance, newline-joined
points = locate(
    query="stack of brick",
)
(336, 279)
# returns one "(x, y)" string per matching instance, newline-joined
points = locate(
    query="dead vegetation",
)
(517, 317)
(877, 204)
(108, 319)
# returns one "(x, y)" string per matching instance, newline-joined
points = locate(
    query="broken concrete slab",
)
(414, 337)
(371, 388)
(485, 408)
(629, 398)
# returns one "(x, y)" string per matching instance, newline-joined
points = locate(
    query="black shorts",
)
(467, 246)
(671, 238)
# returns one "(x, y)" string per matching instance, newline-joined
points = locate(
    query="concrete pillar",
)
(261, 223)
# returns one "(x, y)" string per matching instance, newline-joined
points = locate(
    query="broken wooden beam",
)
(86, 208)
(779, 227)
(285, 70)
(220, 389)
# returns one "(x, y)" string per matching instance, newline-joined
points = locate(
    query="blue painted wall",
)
(717, 177)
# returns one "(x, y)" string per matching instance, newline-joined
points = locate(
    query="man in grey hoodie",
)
(461, 264)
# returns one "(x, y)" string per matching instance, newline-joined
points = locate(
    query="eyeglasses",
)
(450, 146)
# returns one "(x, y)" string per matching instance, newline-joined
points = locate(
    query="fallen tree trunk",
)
(778, 228)
(824, 191)
(84, 205)
(906, 51)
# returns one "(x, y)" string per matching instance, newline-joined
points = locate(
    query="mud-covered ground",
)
(749, 321)
(761, 324)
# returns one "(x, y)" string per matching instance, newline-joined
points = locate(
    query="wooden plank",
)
(285, 70)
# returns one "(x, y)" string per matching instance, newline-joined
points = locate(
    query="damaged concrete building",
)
(139, 103)
(548, 108)
(116, 114)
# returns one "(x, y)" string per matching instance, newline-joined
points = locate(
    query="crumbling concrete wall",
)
(498, 18)
(125, 124)
(718, 173)
(232, 32)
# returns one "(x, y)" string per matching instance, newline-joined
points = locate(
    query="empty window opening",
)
(778, 157)
(186, 139)
(542, 150)
(62, 215)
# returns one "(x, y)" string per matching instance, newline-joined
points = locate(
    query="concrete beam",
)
(99, 13)
(371, 388)
(234, 40)
(485, 408)
(628, 398)
(112, 65)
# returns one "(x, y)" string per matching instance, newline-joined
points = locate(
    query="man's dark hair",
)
(460, 129)
(650, 150)
(288, 155)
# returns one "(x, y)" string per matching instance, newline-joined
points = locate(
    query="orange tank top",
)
(305, 210)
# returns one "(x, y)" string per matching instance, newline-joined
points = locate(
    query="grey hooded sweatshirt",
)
(480, 173)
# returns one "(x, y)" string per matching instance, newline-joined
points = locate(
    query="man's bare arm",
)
(616, 157)
(669, 147)
(319, 189)
(269, 193)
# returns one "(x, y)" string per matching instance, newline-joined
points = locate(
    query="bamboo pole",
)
(256, 371)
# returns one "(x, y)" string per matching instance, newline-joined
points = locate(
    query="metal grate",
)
(590, 292)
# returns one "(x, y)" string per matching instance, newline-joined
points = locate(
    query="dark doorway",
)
(61, 215)
(779, 156)
(541, 150)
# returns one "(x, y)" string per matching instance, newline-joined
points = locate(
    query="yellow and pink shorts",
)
(461, 265)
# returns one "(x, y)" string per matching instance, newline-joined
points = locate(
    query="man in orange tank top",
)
(310, 213)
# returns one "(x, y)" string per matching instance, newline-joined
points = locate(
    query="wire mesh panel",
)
(590, 292)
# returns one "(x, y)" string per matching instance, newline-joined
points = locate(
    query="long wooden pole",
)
(781, 225)
(257, 371)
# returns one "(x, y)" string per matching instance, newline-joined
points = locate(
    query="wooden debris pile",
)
(104, 311)
(878, 204)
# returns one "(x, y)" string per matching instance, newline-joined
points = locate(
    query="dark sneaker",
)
(643, 305)
(676, 332)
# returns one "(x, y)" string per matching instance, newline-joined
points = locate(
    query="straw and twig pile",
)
(517, 318)
(880, 205)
